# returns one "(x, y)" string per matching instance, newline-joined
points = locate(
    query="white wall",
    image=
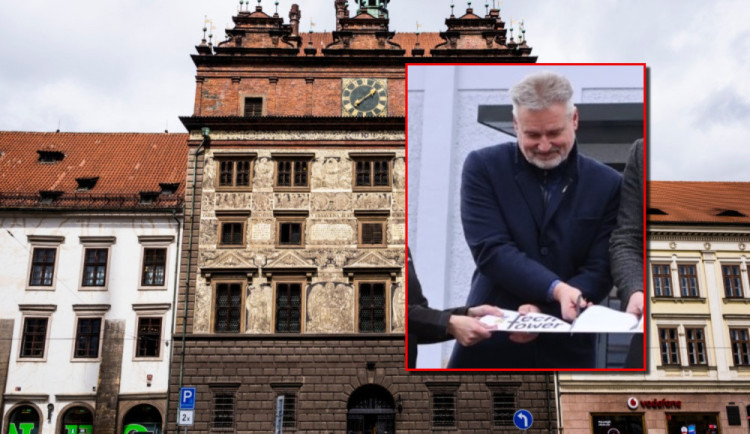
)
(61, 374)
(442, 129)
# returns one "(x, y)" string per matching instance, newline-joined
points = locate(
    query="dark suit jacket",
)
(425, 325)
(520, 246)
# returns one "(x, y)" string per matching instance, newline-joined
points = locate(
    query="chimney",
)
(294, 17)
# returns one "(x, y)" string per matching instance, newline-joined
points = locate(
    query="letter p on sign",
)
(187, 398)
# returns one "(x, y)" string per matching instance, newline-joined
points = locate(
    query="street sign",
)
(523, 419)
(279, 425)
(185, 418)
(187, 398)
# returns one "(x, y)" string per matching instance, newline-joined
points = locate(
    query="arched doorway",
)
(142, 418)
(24, 419)
(77, 420)
(371, 410)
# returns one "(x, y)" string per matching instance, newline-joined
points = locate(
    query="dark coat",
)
(520, 246)
(425, 325)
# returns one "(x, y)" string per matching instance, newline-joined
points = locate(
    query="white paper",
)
(595, 319)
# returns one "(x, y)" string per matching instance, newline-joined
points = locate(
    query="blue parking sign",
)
(187, 398)
(523, 419)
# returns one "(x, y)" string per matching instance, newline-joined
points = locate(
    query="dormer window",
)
(730, 213)
(86, 184)
(50, 157)
(148, 197)
(168, 189)
(49, 196)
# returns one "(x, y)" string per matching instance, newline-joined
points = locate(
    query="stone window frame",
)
(224, 389)
(306, 157)
(155, 242)
(96, 242)
(228, 280)
(231, 217)
(498, 389)
(287, 390)
(150, 310)
(35, 311)
(218, 157)
(243, 104)
(291, 216)
(744, 349)
(373, 278)
(388, 157)
(290, 278)
(444, 391)
(91, 311)
(697, 276)
(372, 217)
(44, 242)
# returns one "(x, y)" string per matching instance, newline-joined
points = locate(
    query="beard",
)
(550, 160)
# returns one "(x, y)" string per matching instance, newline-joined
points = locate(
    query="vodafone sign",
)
(653, 403)
(632, 403)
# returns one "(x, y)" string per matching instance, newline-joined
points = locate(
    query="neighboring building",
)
(294, 251)
(699, 308)
(89, 232)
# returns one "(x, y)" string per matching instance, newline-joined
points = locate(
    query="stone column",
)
(108, 385)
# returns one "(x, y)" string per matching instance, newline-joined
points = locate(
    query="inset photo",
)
(526, 217)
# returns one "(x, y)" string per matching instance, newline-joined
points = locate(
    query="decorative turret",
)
(472, 35)
(376, 8)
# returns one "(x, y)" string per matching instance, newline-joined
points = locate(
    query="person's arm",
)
(626, 246)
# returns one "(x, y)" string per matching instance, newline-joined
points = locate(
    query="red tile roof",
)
(699, 202)
(125, 163)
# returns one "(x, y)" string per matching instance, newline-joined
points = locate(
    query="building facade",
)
(292, 306)
(698, 375)
(89, 244)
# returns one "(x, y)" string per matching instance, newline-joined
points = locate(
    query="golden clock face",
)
(364, 97)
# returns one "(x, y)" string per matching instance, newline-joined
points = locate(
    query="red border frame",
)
(646, 321)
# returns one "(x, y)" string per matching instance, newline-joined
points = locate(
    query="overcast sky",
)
(124, 65)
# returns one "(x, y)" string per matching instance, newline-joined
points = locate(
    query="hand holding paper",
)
(595, 319)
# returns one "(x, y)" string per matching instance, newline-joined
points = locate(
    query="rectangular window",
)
(696, 346)
(234, 173)
(444, 410)
(253, 107)
(669, 345)
(740, 347)
(87, 338)
(662, 280)
(372, 232)
(223, 413)
(288, 307)
(372, 173)
(149, 337)
(34, 337)
(228, 308)
(154, 266)
(503, 408)
(42, 266)
(290, 234)
(290, 229)
(372, 307)
(95, 267)
(292, 173)
(688, 280)
(732, 281)
(232, 233)
(290, 407)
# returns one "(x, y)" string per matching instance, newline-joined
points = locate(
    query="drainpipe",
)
(174, 297)
(205, 142)
(560, 427)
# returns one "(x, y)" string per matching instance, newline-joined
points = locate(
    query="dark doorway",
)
(142, 418)
(77, 420)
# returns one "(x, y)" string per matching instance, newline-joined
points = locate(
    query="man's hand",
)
(568, 297)
(467, 330)
(485, 309)
(635, 304)
(525, 338)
